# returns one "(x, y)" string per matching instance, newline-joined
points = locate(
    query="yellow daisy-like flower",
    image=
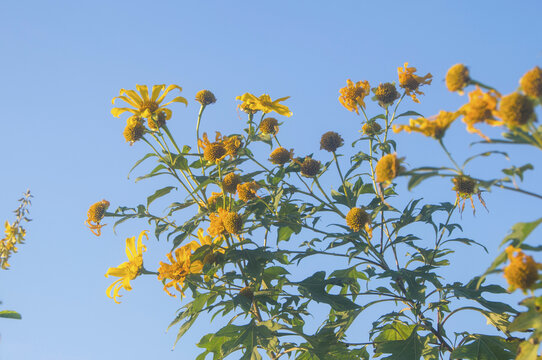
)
(353, 94)
(213, 151)
(216, 228)
(357, 218)
(387, 168)
(434, 126)
(145, 104)
(95, 214)
(127, 270)
(481, 108)
(264, 104)
(531, 82)
(522, 272)
(411, 82)
(247, 191)
(516, 110)
(281, 156)
(457, 78)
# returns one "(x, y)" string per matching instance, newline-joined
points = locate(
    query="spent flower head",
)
(331, 141)
(134, 130)
(281, 156)
(95, 214)
(205, 97)
(357, 218)
(481, 108)
(386, 94)
(457, 78)
(269, 126)
(309, 167)
(353, 95)
(522, 272)
(531, 82)
(411, 82)
(247, 191)
(516, 110)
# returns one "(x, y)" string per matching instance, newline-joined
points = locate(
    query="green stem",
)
(342, 180)
(327, 198)
(449, 155)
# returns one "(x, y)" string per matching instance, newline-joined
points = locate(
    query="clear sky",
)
(62, 61)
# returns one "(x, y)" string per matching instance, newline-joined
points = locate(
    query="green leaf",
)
(409, 113)
(485, 347)
(532, 319)
(139, 162)
(159, 193)
(284, 233)
(528, 350)
(408, 349)
(416, 179)
(10, 314)
(313, 288)
(485, 154)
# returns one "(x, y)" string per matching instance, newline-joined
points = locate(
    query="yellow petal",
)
(156, 89)
(116, 112)
(144, 91)
(169, 88)
(177, 99)
(133, 95)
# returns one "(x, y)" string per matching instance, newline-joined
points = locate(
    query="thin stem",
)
(327, 198)
(197, 126)
(448, 154)
(342, 179)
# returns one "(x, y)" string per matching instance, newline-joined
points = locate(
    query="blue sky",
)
(63, 61)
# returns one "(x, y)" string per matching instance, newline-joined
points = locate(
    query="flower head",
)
(281, 156)
(353, 94)
(516, 110)
(269, 126)
(213, 151)
(409, 81)
(371, 128)
(127, 270)
(531, 82)
(457, 78)
(247, 191)
(435, 126)
(205, 97)
(386, 94)
(247, 292)
(95, 214)
(232, 144)
(387, 168)
(157, 121)
(331, 141)
(181, 264)
(481, 108)
(134, 130)
(522, 272)
(146, 104)
(309, 167)
(357, 218)
(233, 222)
(264, 104)
(465, 187)
(230, 182)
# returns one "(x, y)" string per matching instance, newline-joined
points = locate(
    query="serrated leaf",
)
(531, 319)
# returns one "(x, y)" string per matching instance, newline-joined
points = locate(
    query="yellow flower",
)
(127, 270)
(134, 130)
(353, 94)
(516, 110)
(213, 151)
(387, 168)
(309, 167)
(205, 97)
(386, 94)
(331, 141)
(232, 144)
(411, 82)
(465, 187)
(269, 126)
(263, 103)
(95, 214)
(247, 191)
(522, 272)
(435, 126)
(531, 82)
(481, 108)
(457, 78)
(146, 104)
(357, 218)
(233, 222)
(230, 182)
(281, 156)
(216, 226)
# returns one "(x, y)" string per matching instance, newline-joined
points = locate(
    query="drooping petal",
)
(116, 112)
(169, 88)
(133, 95)
(156, 89)
(177, 99)
(131, 251)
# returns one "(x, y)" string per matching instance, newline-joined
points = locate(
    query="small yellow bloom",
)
(264, 104)
(233, 222)
(435, 126)
(411, 82)
(213, 151)
(134, 130)
(309, 167)
(269, 126)
(205, 97)
(481, 108)
(95, 214)
(281, 156)
(146, 104)
(353, 94)
(357, 218)
(371, 128)
(232, 144)
(386, 94)
(247, 191)
(230, 182)
(522, 272)
(216, 228)
(387, 168)
(516, 110)
(457, 78)
(127, 270)
(331, 141)
(531, 82)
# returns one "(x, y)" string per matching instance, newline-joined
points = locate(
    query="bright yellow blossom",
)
(264, 103)
(481, 108)
(457, 78)
(213, 151)
(95, 214)
(522, 272)
(434, 126)
(411, 82)
(146, 104)
(127, 270)
(352, 95)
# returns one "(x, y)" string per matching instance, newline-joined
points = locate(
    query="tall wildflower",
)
(14, 232)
